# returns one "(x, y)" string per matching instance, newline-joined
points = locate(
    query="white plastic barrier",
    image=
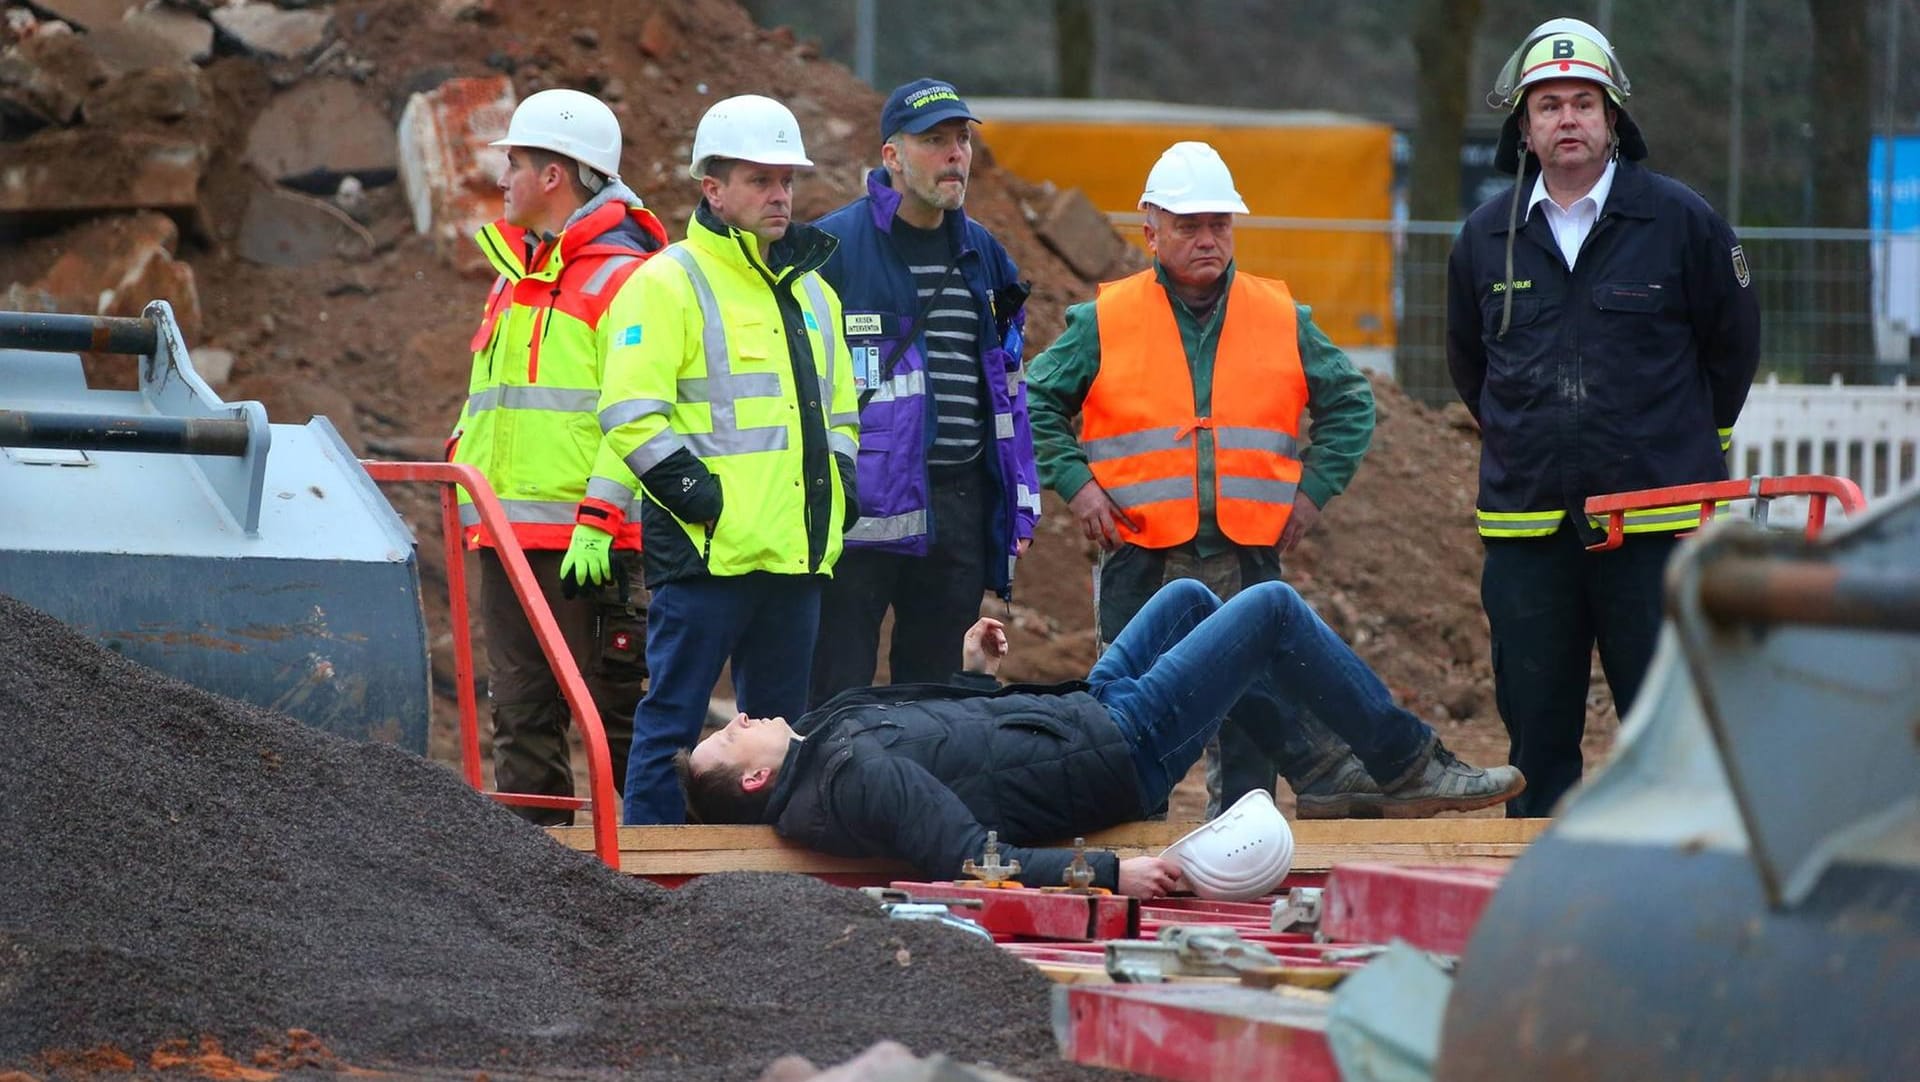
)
(1868, 434)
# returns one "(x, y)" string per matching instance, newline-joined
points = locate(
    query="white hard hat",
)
(1190, 178)
(567, 122)
(1243, 854)
(1560, 49)
(749, 127)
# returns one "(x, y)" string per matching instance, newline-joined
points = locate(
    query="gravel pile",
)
(179, 866)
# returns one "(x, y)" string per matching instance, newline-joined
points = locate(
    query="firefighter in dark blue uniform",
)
(1602, 330)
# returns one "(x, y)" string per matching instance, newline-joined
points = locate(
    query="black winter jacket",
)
(921, 772)
(1613, 376)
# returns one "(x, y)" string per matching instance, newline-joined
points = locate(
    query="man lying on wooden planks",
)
(921, 772)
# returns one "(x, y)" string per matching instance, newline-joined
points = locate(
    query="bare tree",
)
(1443, 48)
(1073, 46)
(1443, 36)
(1842, 68)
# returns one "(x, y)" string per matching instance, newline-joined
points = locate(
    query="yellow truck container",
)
(1288, 166)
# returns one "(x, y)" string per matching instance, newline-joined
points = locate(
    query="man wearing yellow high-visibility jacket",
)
(730, 396)
(569, 240)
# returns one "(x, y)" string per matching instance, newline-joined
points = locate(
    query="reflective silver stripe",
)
(1003, 426)
(842, 444)
(1258, 489)
(837, 419)
(609, 490)
(721, 389)
(1245, 438)
(630, 410)
(889, 527)
(745, 385)
(654, 451)
(599, 280)
(1132, 443)
(817, 300)
(469, 514)
(713, 333)
(905, 385)
(738, 441)
(1028, 498)
(541, 511)
(533, 398)
(1144, 492)
(1014, 379)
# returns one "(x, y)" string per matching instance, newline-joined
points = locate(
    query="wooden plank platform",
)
(1319, 844)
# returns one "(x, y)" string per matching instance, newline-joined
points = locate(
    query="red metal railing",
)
(600, 799)
(1707, 494)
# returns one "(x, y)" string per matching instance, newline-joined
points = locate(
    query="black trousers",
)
(607, 639)
(935, 598)
(1549, 602)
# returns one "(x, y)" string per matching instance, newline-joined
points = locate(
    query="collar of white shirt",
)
(1598, 196)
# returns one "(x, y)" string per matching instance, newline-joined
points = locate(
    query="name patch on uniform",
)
(1524, 283)
(1741, 272)
(812, 325)
(628, 336)
(862, 323)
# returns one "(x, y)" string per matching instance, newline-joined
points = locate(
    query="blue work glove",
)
(589, 559)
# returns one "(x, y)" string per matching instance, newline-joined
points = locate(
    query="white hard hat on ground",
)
(751, 128)
(570, 123)
(1243, 854)
(1190, 178)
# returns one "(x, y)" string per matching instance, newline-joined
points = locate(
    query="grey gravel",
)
(174, 864)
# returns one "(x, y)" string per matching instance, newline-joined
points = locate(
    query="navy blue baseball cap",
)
(920, 105)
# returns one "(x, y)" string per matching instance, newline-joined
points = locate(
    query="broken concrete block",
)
(156, 94)
(1079, 233)
(267, 31)
(465, 9)
(320, 131)
(659, 34)
(124, 48)
(87, 14)
(287, 229)
(114, 266)
(44, 79)
(450, 173)
(188, 35)
(57, 172)
(214, 364)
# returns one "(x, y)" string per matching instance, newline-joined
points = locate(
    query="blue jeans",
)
(1186, 659)
(763, 623)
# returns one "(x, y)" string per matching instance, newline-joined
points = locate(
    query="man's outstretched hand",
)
(1148, 878)
(1099, 517)
(984, 646)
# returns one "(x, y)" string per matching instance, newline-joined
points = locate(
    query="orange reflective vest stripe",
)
(1140, 425)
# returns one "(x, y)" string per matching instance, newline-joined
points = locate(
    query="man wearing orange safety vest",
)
(570, 239)
(1190, 380)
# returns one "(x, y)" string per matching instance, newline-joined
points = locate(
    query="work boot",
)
(1444, 783)
(1343, 791)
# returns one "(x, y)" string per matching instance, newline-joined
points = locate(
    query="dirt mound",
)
(228, 874)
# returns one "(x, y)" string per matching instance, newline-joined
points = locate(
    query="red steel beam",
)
(1194, 1032)
(1432, 908)
(1029, 913)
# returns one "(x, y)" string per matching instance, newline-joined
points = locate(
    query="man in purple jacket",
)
(934, 313)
